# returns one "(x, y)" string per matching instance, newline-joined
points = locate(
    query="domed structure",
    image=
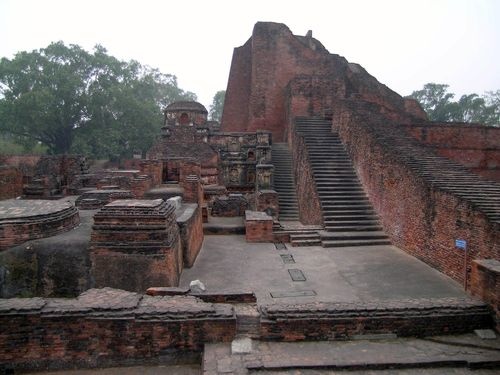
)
(186, 113)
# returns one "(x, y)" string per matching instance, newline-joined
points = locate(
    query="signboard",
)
(461, 244)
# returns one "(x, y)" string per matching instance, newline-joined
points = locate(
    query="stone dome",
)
(188, 106)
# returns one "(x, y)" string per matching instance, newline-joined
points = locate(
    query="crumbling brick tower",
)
(424, 201)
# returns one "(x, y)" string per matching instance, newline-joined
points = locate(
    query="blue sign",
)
(461, 244)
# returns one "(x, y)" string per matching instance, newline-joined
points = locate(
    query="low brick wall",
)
(191, 232)
(331, 321)
(258, 227)
(105, 327)
(11, 182)
(485, 284)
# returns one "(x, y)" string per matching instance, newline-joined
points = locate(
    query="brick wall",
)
(191, 232)
(105, 327)
(256, 96)
(485, 284)
(307, 196)
(406, 185)
(11, 182)
(333, 321)
(474, 146)
(135, 244)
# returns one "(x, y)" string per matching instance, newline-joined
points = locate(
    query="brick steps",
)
(284, 182)
(349, 219)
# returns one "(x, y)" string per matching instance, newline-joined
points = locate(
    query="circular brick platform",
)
(24, 220)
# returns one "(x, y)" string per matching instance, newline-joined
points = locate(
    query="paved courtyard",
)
(353, 274)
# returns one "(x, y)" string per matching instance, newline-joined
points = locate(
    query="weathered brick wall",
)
(256, 97)
(105, 327)
(307, 196)
(258, 227)
(333, 321)
(485, 284)
(135, 244)
(235, 113)
(474, 146)
(191, 232)
(11, 182)
(420, 217)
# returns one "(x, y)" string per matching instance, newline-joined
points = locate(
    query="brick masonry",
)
(135, 244)
(474, 146)
(105, 327)
(24, 220)
(190, 224)
(258, 227)
(485, 284)
(11, 182)
(332, 321)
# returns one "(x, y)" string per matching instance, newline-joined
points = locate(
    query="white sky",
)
(404, 43)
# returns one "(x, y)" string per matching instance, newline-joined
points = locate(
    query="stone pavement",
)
(461, 352)
(351, 274)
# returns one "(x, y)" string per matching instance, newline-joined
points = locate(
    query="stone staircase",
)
(348, 216)
(284, 183)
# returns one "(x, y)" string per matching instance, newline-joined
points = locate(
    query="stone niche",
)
(135, 244)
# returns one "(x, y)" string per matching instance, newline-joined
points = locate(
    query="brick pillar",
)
(258, 227)
(485, 284)
(153, 168)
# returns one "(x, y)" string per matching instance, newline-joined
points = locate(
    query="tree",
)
(437, 102)
(217, 106)
(72, 100)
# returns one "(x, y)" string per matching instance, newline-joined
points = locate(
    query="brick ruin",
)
(306, 138)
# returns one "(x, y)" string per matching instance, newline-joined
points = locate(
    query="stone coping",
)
(146, 203)
(186, 212)
(257, 216)
(13, 209)
(109, 302)
(491, 264)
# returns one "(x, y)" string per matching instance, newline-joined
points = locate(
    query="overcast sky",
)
(404, 44)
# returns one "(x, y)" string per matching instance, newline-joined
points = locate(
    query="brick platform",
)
(135, 244)
(24, 220)
(95, 199)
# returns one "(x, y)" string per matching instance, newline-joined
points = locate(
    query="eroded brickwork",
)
(135, 244)
(474, 146)
(104, 327)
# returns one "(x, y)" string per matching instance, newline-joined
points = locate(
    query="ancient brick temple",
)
(313, 151)
(367, 164)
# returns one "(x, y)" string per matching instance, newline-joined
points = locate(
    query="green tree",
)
(217, 106)
(71, 100)
(439, 105)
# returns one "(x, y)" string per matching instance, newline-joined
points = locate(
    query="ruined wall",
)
(256, 95)
(307, 196)
(105, 327)
(191, 232)
(407, 185)
(474, 146)
(11, 182)
(485, 284)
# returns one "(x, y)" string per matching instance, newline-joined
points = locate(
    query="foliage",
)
(217, 106)
(439, 105)
(71, 100)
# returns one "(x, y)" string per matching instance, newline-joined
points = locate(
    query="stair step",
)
(348, 243)
(353, 235)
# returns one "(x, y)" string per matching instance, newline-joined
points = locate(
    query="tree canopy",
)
(217, 106)
(438, 102)
(71, 100)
